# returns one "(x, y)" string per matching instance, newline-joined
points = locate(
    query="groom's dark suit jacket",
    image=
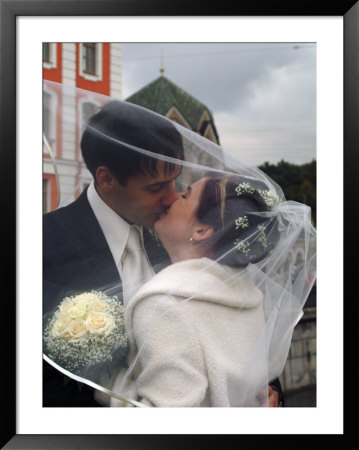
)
(76, 258)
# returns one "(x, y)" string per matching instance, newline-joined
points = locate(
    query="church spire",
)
(162, 69)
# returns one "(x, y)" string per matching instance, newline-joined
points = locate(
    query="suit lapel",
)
(98, 260)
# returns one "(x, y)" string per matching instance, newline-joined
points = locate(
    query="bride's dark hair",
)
(237, 209)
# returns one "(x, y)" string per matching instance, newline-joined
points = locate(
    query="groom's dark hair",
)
(118, 129)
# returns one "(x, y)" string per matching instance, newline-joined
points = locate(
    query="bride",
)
(199, 322)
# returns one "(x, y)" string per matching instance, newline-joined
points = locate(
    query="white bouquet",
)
(86, 330)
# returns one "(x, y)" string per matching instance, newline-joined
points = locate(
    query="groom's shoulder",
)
(67, 223)
(69, 212)
(67, 231)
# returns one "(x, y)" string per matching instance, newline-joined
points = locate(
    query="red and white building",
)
(94, 67)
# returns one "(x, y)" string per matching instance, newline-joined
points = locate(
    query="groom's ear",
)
(104, 178)
(202, 232)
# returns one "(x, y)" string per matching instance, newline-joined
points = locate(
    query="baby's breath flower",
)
(242, 246)
(241, 222)
(271, 198)
(244, 187)
(262, 237)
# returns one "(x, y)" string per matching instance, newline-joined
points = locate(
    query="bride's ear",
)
(202, 232)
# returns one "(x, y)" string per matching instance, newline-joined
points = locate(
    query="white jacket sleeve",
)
(172, 368)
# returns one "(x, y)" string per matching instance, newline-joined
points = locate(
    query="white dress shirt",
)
(116, 231)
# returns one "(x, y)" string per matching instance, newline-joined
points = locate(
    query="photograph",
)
(173, 232)
(248, 128)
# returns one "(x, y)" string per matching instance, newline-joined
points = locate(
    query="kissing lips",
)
(162, 214)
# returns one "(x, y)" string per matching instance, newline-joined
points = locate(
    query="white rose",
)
(85, 298)
(77, 329)
(98, 306)
(100, 323)
(77, 311)
(66, 305)
(59, 329)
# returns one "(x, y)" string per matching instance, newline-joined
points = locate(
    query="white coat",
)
(195, 325)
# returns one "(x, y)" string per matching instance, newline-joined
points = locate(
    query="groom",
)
(84, 243)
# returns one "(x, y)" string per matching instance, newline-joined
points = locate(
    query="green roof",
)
(162, 94)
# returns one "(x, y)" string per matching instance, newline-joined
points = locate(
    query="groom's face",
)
(144, 197)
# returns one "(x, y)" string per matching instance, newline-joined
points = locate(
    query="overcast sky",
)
(262, 95)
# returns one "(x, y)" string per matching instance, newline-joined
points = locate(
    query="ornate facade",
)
(94, 67)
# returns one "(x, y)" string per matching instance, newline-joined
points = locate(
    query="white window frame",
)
(87, 76)
(52, 138)
(52, 64)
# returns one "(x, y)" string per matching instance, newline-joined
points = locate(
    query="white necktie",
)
(136, 269)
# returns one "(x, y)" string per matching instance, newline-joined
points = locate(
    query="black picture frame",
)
(9, 10)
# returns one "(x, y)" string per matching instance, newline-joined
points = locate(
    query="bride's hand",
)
(273, 397)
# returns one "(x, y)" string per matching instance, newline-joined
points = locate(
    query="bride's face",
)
(176, 225)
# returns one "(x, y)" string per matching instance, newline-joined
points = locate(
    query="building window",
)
(46, 52)
(89, 58)
(90, 61)
(49, 55)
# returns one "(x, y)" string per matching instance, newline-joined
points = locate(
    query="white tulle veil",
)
(266, 255)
